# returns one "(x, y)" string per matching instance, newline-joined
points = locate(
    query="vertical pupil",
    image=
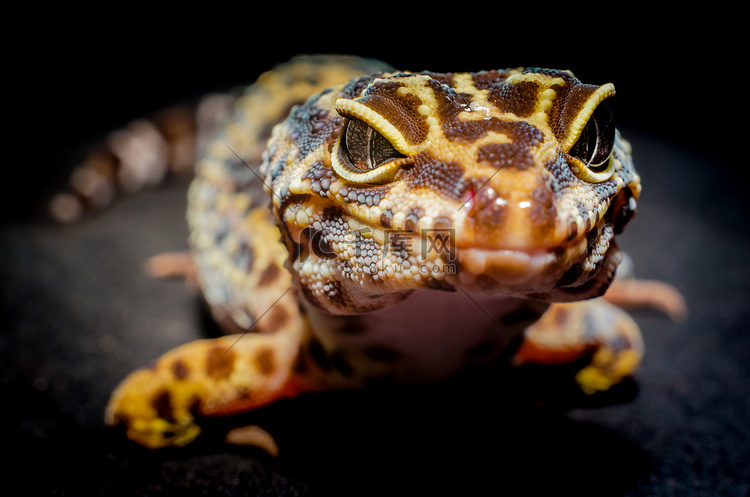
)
(366, 148)
(594, 146)
(586, 145)
(358, 136)
(381, 150)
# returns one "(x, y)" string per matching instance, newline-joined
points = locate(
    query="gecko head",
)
(512, 182)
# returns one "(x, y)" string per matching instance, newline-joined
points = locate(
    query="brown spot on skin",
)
(520, 98)
(220, 362)
(499, 155)
(524, 136)
(487, 80)
(265, 360)
(449, 102)
(180, 370)
(436, 174)
(401, 111)
(386, 219)
(269, 274)
(162, 404)
(275, 319)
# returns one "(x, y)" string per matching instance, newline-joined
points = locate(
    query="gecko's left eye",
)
(364, 148)
(594, 145)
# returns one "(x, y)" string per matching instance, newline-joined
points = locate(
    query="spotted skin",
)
(394, 227)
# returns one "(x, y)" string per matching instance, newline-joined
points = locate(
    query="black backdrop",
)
(677, 77)
(73, 76)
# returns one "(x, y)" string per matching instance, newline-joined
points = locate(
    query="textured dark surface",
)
(78, 313)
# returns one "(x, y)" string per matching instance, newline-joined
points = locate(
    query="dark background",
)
(76, 312)
(678, 77)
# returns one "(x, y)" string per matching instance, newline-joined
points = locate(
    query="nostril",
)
(469, 187)
(488, 207)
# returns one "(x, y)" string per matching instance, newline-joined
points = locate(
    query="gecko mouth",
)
(559, 274)
(579, 270)
(575, 270)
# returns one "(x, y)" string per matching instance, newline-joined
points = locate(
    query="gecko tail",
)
(140, 155)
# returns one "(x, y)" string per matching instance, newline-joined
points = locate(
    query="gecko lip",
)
(503, 271)
(568, 272)
(580, 268)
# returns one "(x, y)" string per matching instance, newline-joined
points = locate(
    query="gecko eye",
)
(365, 148)
(597, 139)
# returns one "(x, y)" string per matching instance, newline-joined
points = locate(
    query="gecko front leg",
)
(159, 404)
(571, 331)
